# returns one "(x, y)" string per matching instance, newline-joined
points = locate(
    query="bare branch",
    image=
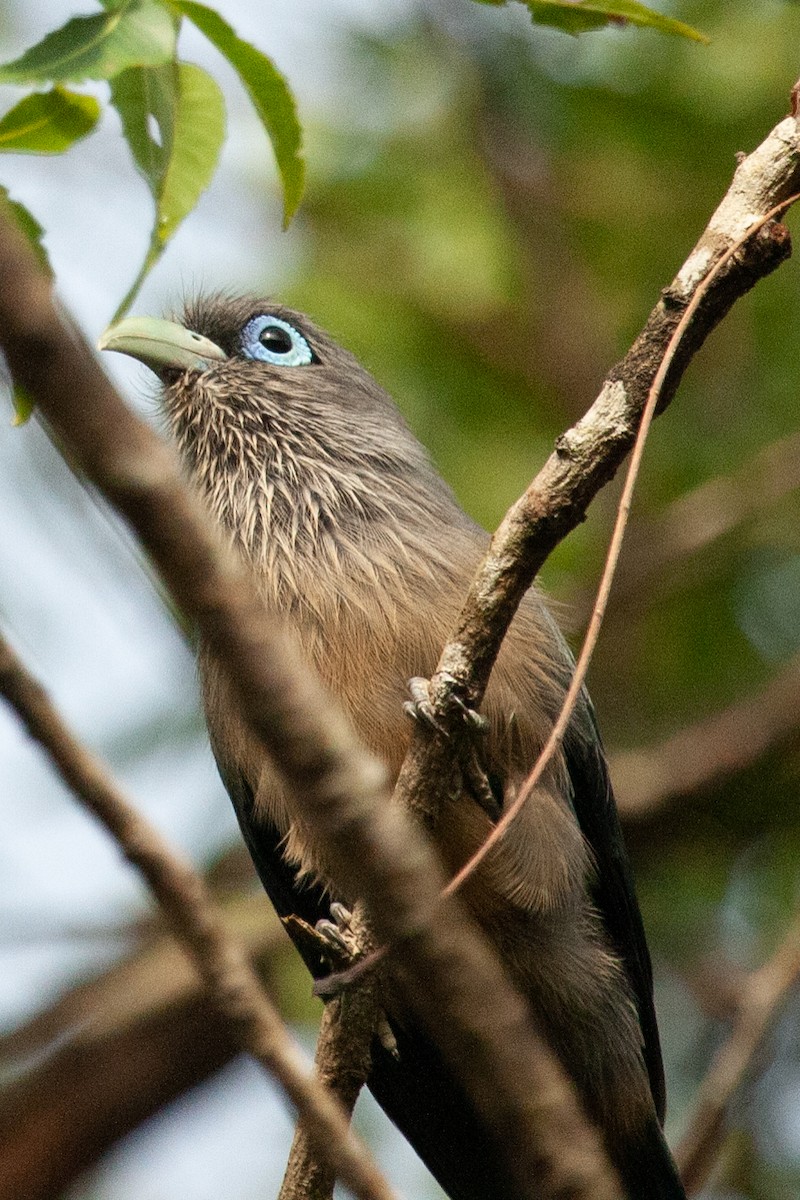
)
(307, 1176)
(717, 985)
(111, 1053)
(589, 454)
(182, 895)
(648, 781)
(654, 397)
(342, 1062)
(154, 976)
(763, 997)
(445, 968)
(57, 1120)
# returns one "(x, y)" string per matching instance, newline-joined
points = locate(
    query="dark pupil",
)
(275, 339)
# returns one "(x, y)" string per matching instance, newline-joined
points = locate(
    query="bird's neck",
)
(300, 514)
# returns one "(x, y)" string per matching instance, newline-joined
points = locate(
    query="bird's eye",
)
(275, 341)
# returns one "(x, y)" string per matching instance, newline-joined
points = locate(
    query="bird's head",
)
(291, 441)
(266, 354)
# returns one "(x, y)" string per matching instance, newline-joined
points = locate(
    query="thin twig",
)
(182, 896)
(654, 396)
(763, 996)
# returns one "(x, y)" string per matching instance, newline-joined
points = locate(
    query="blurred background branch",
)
(761, 997)
(113, 1051)
(695, 759)
(229, 980)
(684, 533)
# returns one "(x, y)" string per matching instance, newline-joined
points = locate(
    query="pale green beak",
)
(161, 345)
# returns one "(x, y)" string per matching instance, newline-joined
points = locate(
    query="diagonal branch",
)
(561, 724)
(589, 453)
(182, 895)
(700, 755)
(112, 1052)
(741, 244)
(763, 996)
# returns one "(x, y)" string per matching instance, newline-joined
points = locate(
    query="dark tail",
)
(648, 1169)
(415, 1087)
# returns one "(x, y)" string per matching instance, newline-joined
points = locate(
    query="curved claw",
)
(475, 726)
(341, 915)
(475, 721)
(332, 934)
(419, 707)
(336, 932)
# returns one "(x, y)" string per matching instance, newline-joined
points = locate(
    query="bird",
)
(354, 539)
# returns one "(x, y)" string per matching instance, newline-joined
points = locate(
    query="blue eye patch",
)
(272, 340)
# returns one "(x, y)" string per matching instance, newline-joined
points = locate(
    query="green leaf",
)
(269, 92)
(578, 16)
(23, 406)
(190, 112)
(30, 227)
(198, 136)
(142, 95)
(48, 122)
(136, 33)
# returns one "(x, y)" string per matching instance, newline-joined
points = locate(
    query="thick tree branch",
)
(444, 966)
(223, 966)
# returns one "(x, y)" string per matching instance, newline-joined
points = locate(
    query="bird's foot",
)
(473, 728)
(420, 708)
(331, 940)
(337, 932)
